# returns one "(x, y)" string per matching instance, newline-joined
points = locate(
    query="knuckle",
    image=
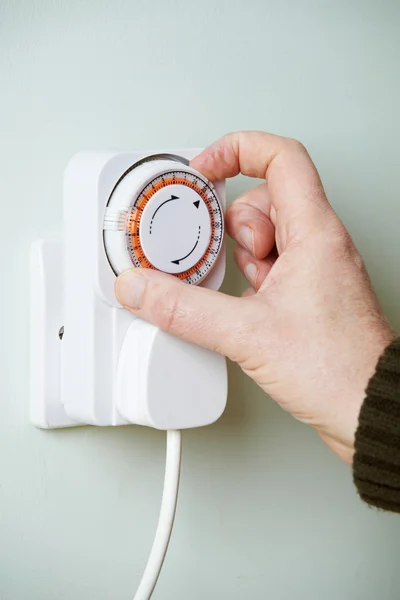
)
(295, 145)
(341, 239)
(359, 261)
(342, 246)
(167, 312)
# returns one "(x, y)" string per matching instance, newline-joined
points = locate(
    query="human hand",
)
(310, 330)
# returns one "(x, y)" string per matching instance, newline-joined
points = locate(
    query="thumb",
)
(198, 315)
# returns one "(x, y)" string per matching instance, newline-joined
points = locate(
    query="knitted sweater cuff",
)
(376, 466)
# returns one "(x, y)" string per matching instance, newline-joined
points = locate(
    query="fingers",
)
(204, 317)
(249, 292)
(246, 152)
(254, 270)
(294, 186)
(249, 224)
(257, 197)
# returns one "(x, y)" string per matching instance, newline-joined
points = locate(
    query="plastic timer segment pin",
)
(164, 215)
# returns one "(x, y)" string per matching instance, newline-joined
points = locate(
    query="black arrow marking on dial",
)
(162, 204)
(197, 203)
(176, 262)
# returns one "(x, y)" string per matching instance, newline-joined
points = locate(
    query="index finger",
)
(283, 162)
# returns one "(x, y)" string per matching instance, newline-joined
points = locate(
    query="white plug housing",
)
(166, 383)
(112, 368)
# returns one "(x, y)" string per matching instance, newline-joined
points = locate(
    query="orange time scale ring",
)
(132, 223)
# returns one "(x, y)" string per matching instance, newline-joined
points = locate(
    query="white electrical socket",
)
(121, 210)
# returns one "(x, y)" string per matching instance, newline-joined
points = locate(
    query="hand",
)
(310, 330)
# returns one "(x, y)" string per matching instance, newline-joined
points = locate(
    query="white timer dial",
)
(175, 229)
(164, 215)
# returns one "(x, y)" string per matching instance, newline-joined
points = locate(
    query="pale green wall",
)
(265, 510)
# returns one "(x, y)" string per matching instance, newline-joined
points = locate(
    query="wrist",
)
(340, 435)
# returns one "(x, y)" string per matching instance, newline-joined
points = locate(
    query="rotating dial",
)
(164, 215)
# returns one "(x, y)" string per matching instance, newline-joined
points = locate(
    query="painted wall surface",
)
(265, 510)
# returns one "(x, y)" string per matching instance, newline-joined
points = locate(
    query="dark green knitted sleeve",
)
(376, 466)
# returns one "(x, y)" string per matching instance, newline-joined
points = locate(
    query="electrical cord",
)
(166, 518)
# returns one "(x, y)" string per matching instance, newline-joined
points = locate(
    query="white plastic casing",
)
(172, 385)
(113, 368)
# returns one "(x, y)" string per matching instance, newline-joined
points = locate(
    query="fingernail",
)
(246, 238)
(251, 272)
(129, 289)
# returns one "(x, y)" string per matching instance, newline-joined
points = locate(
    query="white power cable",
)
(166, 518)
